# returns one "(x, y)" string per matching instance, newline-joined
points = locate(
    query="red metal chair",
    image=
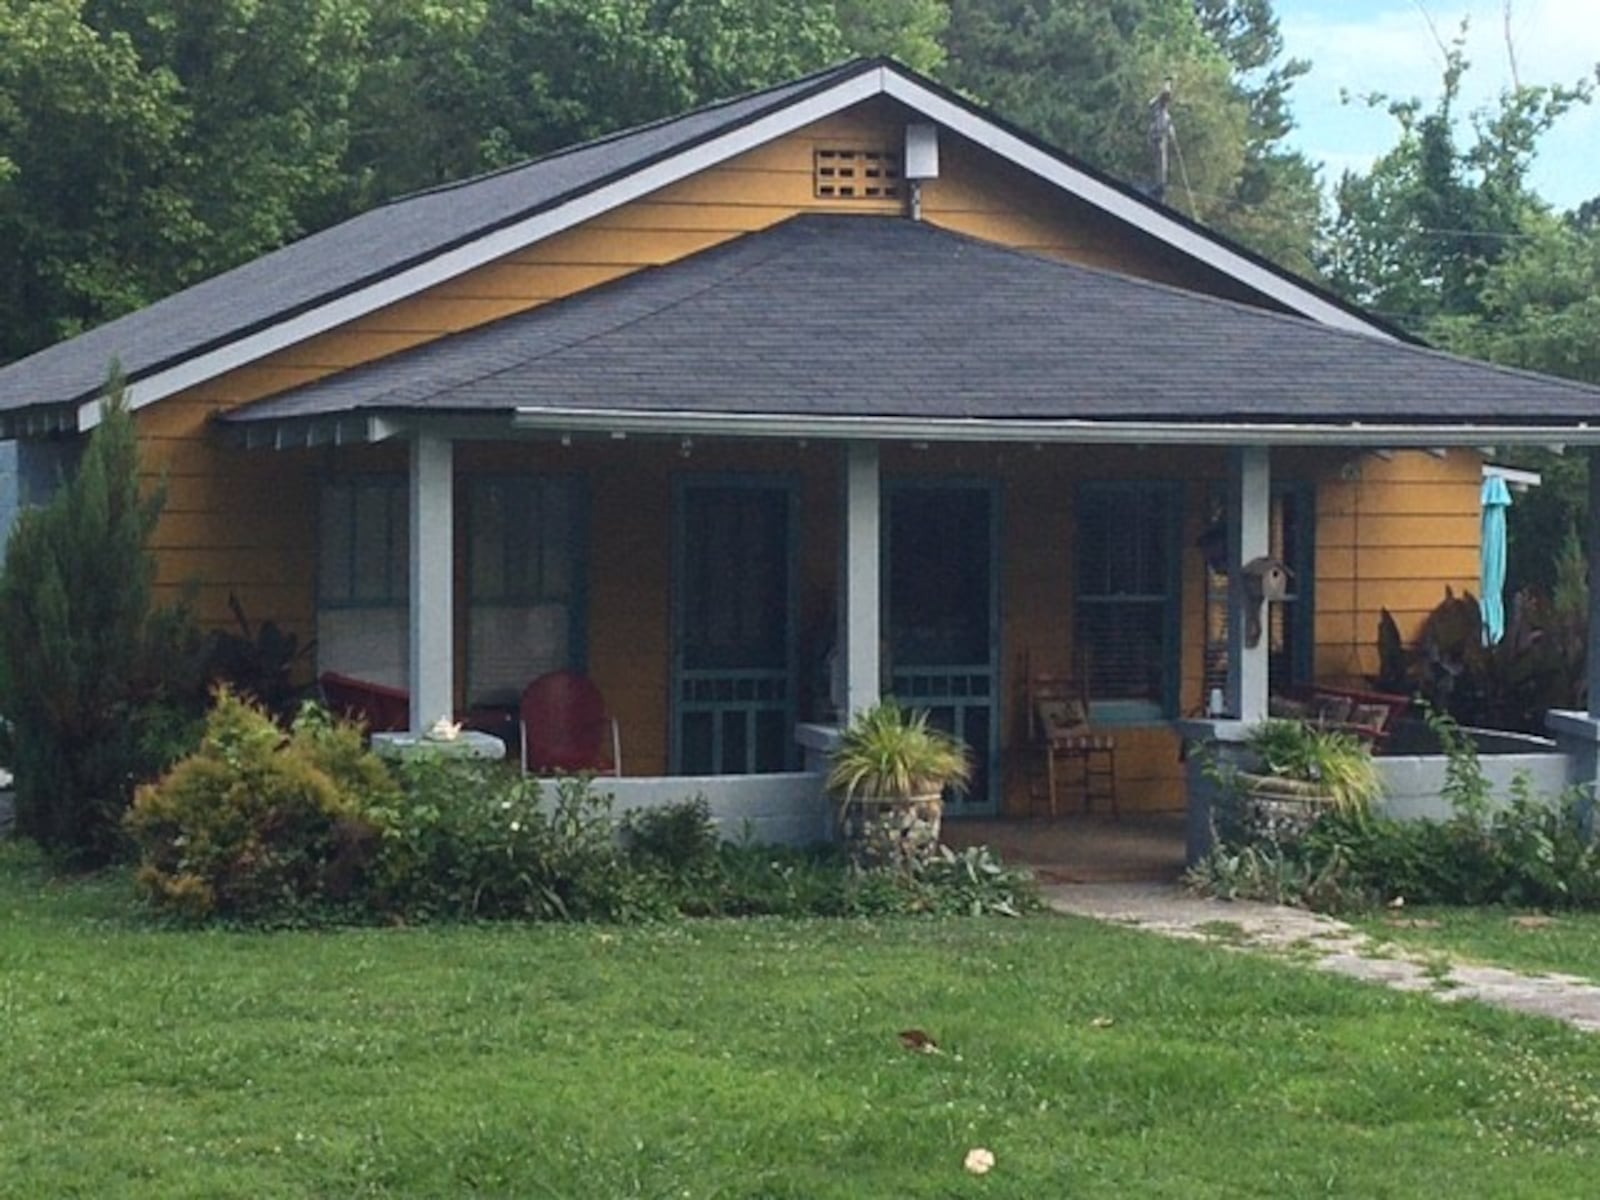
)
(565, 727)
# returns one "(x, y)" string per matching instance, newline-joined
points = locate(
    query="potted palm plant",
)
(889, 772)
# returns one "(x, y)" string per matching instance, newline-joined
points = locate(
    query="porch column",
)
(1249, 517)
(432, 579)
(1591, 557)
(1577, 734)
(859, 583)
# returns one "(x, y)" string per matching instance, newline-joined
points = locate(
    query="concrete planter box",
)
(1413, 785)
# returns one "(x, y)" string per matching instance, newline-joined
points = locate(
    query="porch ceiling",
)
(839, 320)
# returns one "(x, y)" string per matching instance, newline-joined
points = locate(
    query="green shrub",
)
(270, 827)
(467, 839)
(82, 654)
(256, 824)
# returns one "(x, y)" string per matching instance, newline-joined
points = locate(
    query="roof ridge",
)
(840, 69)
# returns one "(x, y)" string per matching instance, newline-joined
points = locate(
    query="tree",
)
(910, 31)
(84, 662)
(1083, 73)
(1415, 236)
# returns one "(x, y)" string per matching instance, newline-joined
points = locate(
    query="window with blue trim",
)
(363, 539)
(524, 534)
(1125, 619)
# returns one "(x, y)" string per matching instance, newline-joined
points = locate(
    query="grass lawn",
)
(757, 1059)
(1565, 942)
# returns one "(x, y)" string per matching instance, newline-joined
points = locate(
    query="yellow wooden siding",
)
(1391, 533)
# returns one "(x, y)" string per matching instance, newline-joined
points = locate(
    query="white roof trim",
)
(1516, 478)
(494, 245)
(963, 429)
(1142, 216)
(786, 119)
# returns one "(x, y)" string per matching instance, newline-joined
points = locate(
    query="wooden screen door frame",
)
(723, 692)
(950, 685)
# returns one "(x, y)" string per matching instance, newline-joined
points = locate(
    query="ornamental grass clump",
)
(1336, 766)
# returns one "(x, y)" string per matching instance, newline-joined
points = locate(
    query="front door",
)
(941, 605)
(733, 686)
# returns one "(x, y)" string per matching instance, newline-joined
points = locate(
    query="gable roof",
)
(839, 319)
(408, 245)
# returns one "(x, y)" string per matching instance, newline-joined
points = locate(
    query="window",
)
(524, 534)
(363, 577)
(1125, 624)
(364, 531)
(522, 539)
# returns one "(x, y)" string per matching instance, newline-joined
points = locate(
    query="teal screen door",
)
(941, 608)
(733, 645)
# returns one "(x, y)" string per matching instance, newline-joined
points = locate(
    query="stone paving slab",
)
(1328, 945)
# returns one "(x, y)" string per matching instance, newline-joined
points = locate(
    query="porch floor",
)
(1081, 849)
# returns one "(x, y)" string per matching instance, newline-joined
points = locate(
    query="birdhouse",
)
(1267, 578)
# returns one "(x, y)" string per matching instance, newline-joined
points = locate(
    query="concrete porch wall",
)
(776, 810)
(1413, 785)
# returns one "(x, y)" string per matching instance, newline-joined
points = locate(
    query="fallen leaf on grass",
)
(1103, 1022)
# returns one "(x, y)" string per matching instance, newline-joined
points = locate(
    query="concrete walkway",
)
(1328, 945)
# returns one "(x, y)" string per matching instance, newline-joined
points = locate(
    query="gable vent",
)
(856, 173)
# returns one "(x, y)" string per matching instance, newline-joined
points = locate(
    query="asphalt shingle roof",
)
(886, 317)
(369, 247)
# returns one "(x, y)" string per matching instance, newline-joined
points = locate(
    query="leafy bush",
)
(467, 839)
(258, 823)
(680, 840)
(1533, 851)
(264, 826)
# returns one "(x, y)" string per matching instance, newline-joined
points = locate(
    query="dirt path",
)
(1328, 945)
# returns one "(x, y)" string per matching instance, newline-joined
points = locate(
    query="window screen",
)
(363, 534)
(1124, 622)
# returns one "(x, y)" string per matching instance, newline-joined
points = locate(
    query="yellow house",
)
(842, 387)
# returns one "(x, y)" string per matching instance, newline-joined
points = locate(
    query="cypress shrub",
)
(89, 675)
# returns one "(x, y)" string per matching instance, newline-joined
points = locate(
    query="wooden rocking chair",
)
(1076, 757)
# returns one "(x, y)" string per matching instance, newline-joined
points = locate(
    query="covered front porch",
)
(725, 589)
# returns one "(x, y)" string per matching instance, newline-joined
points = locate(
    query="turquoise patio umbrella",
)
(1496, 499)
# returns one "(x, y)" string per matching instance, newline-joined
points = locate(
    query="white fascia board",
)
(1515, 477)
(922, 429)
(1140, 215)
(497, 244)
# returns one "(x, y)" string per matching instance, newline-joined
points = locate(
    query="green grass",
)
(1569, 943)
(756, 1059)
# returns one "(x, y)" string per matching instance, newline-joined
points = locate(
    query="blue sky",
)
(1387, 46)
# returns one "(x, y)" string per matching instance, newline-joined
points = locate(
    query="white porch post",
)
(859, 583)
(1249, 516)
(432, 582)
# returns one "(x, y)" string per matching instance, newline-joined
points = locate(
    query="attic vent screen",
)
(855, 173)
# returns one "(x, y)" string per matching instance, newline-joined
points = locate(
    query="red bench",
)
(1371, 716)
